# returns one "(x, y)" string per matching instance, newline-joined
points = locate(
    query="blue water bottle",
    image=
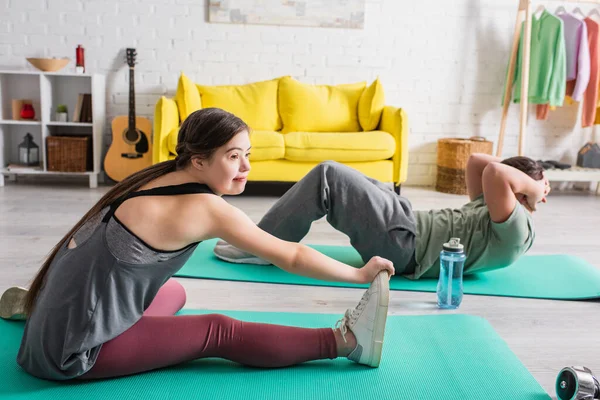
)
(450, 283)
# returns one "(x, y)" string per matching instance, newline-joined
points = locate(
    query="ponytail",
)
(128, 185)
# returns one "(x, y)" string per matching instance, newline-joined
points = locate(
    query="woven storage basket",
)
(69, 153)
(452, 157)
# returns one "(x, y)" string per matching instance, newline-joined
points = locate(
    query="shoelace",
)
(350, 316)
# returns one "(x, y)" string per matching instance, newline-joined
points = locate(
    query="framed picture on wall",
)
(319, 13)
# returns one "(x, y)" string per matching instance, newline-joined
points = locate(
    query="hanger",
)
(560, 10)
(539, 11)
(594, 13)
(577, 10)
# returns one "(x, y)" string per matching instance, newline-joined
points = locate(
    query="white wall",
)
(443, 61)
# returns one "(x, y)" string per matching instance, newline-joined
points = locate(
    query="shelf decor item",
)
(17, 106)
(589, 156)
(79, 59)
(27, 111)
(69, 153)
(49, 64)
(61, 113)
(29, 152)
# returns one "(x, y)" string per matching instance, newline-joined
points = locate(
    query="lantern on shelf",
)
(29, 152)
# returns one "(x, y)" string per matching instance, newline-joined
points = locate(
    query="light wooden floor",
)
(546, 335)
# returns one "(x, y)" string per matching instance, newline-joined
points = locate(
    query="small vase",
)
(27, 112)
(61, 117)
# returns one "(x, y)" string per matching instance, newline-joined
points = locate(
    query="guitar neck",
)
(131, 100)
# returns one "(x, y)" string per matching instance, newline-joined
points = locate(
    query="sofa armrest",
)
(394, 121)
(166, 117)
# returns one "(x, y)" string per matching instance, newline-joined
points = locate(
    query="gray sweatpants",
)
(377, 220)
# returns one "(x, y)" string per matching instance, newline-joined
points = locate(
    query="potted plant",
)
(61, 113)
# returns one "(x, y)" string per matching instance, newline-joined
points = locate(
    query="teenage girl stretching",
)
(103, 303)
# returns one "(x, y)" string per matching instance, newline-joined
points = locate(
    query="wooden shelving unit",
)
(47, 90)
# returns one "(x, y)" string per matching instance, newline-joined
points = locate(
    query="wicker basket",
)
(69, 153)
(452, 157)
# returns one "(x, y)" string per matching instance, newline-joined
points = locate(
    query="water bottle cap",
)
(454, 246)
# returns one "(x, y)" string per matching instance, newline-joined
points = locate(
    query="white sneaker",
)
(12, 303)
(232, 254)
(367, 322)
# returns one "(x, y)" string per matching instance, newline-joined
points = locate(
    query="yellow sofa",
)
(295, 126)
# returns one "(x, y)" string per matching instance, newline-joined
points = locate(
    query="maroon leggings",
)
(160, 339)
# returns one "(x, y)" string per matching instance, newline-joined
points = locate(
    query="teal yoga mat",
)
(546, 277)
(424, 357)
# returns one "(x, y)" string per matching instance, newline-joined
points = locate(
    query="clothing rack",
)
(524, 8)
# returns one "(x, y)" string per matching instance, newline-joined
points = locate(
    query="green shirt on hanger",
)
(547, 62)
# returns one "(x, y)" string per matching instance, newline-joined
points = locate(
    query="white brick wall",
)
(443, 61)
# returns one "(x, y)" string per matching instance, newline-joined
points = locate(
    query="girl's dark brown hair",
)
(201, 134)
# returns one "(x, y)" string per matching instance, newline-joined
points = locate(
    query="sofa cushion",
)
(370, 106)
(266, 145)
(166, 116)
(172, 140)
(255, 103)
(319, 108)
(339, 146)
(187, 97)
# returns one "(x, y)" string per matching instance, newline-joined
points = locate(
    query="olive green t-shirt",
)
(488, 245)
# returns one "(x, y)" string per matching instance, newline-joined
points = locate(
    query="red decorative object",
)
(27, 112)
(80, 58)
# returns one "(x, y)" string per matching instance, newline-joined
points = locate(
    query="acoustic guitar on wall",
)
(131, 147)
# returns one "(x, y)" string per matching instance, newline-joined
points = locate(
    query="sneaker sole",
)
(12, 303)
(380, 319)
(247, 260)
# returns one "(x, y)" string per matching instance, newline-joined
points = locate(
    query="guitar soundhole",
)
(132, 136)
(137, 138)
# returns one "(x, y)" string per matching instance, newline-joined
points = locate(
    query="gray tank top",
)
(91, 295)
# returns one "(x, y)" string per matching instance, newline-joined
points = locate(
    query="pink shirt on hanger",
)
(590, 96)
